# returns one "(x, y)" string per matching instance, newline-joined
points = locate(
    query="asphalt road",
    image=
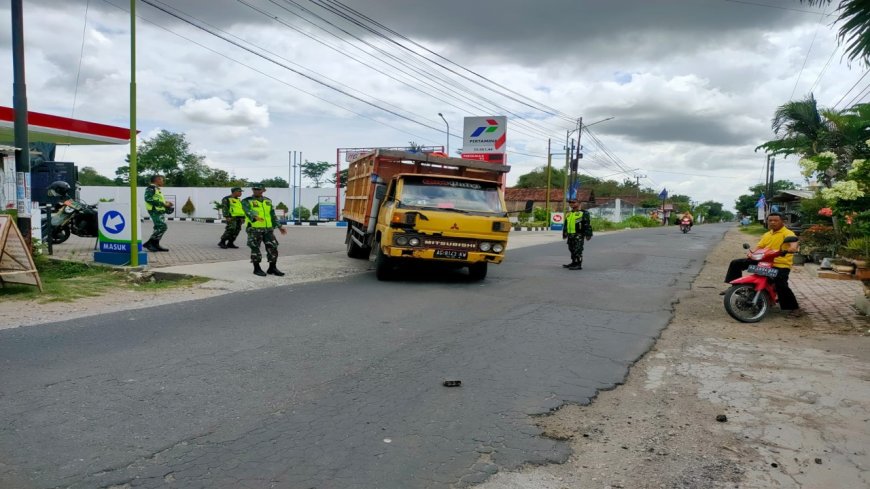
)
(338, 384)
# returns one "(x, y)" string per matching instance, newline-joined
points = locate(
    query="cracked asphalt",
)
(338, 384)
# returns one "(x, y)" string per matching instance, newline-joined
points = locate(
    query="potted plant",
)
(188, 208)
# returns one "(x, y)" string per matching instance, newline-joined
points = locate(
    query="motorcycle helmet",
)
(58, 189)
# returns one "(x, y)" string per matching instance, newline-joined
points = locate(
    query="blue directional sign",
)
(114, 222)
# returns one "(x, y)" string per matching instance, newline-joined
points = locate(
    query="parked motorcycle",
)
(69, 217)
(685, 225)
(752, 296)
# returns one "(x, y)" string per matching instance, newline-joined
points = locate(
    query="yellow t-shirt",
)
(774, 240)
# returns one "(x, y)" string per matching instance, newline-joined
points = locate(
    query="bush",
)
(601, 224)
(188, 208)
(301, 212)
(639, 221)
(819, 238)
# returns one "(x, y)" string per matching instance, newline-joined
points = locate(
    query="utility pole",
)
(638, 177)
(770, 184)
(575, 161)
(19, 103)
(549, 164)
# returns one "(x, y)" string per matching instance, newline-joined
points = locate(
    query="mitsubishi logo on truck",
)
(454, 226)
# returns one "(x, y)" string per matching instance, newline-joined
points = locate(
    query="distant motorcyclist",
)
(688, 215)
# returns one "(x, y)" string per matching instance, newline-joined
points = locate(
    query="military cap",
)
(236, 189)
(257, 185)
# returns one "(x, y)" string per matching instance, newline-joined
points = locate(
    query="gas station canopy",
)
(45, 128)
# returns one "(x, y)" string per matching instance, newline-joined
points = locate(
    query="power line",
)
(807, 57)
(824, 68)
(283, 82)
(850, 90)
(774, 6)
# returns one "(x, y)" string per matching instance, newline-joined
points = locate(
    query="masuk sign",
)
(114, 225)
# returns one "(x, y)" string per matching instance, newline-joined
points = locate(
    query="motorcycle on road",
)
(685, 225)
(70, 216)
(751, 297)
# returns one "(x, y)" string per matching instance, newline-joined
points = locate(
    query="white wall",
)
(203, 196)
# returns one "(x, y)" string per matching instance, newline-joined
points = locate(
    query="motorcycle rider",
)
(156, 206)
(687, 215)
(772, 239)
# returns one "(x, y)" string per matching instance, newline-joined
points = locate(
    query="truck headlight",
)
(414, 241)
(402, 240)
(485, 246)
(497, 248)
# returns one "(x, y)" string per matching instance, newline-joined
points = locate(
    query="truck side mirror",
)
(380, 191)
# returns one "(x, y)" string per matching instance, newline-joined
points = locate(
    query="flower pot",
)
(844, 268)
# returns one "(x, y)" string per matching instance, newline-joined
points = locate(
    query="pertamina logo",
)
(492, 127)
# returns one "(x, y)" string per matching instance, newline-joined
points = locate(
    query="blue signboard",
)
(326, 211)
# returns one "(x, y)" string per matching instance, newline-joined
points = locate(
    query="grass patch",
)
(66, 281)
(754, 229)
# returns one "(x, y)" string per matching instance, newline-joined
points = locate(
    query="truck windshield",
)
(451, 194)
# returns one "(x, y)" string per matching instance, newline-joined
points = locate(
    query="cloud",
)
(243, 112)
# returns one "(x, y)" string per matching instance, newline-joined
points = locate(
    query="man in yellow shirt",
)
(773, 239)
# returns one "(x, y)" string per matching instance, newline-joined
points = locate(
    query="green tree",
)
(537, 178)
(745, 204)
(89, 176)
(343, 179)
(854, 20)
(275, 182)
(315, 170)
(169, 154)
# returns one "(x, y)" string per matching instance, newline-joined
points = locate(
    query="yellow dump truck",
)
(402, 207)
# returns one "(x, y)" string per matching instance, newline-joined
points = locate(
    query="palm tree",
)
(855, 26)
(799, 125)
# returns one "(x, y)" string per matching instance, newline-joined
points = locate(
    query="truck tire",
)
(477, 271)
(354, 250)
(383, 265)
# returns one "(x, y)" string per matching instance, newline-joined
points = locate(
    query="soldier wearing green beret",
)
(231, 209)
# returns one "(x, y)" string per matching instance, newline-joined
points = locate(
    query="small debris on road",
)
(452, 383)
(721, 418)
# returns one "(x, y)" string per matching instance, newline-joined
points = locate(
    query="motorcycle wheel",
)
(684, 229)
(738, 303)
(60, 235)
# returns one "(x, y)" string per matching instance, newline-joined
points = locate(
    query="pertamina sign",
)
(485, 138)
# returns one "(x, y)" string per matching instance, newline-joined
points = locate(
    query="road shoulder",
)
(793, 397)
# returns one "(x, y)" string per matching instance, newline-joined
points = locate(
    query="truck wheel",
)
(477, 271)
(383, 265)
(354, 250)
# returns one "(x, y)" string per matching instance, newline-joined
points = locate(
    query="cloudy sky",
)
(691, 85)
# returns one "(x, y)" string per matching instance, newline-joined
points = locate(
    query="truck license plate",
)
(454, 254)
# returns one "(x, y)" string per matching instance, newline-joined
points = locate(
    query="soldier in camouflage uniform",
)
(231, 209)
(157, 207)
(577, 228)
(261, 223)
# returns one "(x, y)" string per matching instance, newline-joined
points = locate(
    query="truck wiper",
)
(448, 209)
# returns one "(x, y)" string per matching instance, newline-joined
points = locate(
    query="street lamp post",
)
(448, 132)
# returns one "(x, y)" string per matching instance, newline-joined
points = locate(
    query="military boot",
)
(569, 265)
(577, 266)
(222, 244)
(258, 271)
(149, 245)
(231, 244)
(273, 270)
(157, 246)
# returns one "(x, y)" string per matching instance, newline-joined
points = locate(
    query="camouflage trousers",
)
(575, 246)
(231, 232)
(159, 220)
(265, 236)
